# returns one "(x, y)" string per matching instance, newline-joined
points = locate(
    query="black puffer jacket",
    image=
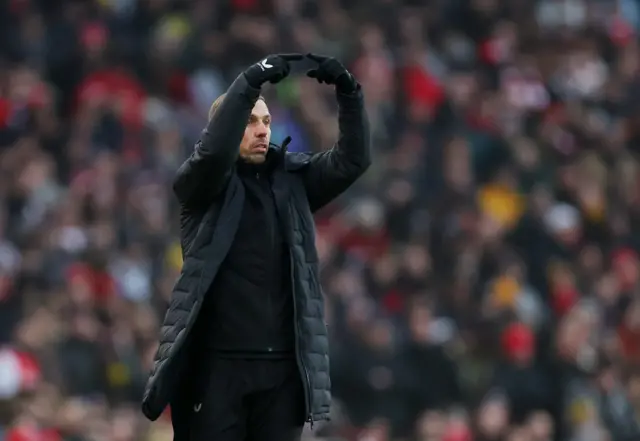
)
(212, 196)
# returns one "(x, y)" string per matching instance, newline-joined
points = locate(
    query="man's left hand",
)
(331, 71)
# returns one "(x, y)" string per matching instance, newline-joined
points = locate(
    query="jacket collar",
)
(275, 157)
(279, 150)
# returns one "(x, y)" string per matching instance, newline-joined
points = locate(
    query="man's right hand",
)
(272, 69)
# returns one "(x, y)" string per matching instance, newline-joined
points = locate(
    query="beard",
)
(254, 158)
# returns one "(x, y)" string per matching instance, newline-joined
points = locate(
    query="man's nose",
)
(261, 130)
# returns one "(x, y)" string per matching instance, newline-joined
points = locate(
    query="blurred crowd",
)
(482, 280)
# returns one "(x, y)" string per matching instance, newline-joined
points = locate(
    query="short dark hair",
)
(219, 100)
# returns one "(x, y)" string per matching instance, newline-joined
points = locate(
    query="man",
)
(243, 349)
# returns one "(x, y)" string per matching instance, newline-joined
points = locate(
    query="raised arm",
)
(330, 173)
(204, 175)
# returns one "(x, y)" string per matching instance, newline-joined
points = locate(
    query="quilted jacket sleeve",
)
(330, 173)
(205, 173)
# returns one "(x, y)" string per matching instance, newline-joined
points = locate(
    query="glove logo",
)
(264, 65)
(197, 407)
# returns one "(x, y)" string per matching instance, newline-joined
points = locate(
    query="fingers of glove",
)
(317, 58)
(326, 77)
(331, 70)
(280, 73)
(279, 76)
(276, 78)
(291, 57)
(335, 68)
(320, 76)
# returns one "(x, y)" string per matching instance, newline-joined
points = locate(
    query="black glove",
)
(273, 69)
(331, 71)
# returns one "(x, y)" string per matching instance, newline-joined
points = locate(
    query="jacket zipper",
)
(301, 365)
(303, 369)
(270, 273)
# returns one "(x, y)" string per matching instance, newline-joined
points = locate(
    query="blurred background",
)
(482, 280)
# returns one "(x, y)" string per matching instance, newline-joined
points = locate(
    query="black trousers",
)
(241, 400)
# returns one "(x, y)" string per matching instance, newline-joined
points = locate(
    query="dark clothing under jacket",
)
(212, 198)
(248, 311)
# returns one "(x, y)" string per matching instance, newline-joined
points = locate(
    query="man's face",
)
(255, 142)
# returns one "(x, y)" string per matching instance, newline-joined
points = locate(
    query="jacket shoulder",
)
(296, 161)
